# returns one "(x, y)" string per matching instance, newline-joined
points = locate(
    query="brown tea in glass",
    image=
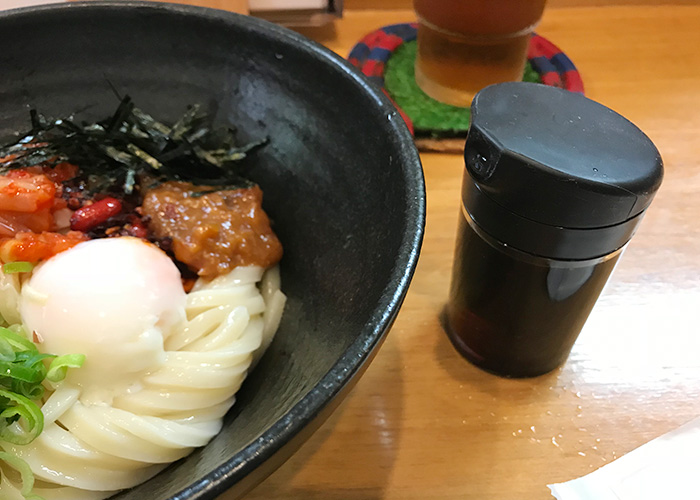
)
(465, 45)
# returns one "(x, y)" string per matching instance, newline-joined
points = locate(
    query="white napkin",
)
(667, 467)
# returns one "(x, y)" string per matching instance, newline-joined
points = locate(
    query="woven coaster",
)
(387, 56)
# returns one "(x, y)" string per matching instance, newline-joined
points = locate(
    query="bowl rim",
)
(360, 352)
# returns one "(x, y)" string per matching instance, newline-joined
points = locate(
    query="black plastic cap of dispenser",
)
(555, 174)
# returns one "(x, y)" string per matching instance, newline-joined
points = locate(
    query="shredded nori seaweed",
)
(130, 145)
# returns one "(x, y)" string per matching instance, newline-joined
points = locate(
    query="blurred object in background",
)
(239, 6)
(297, 12)
(286, 12)
(15, 4)
(466, 45)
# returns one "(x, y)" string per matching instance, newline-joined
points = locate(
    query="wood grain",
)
(239, 6)
(425, 424)
(408, 4)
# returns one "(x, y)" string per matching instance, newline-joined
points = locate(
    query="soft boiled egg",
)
(115, 300)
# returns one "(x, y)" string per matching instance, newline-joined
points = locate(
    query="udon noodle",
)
(89, 452)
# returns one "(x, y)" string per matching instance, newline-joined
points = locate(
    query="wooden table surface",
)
(425, 424)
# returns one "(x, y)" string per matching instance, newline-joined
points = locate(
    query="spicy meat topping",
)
(212, 232)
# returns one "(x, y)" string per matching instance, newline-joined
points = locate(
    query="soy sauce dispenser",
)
(554, 188)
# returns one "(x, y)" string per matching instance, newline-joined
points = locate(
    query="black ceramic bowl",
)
(341, 177)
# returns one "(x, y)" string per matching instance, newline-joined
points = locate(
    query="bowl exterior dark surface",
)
(341, 178)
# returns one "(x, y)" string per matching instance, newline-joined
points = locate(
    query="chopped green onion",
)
(23, 411)
(7, 353)
(25, 474)
(22, 371)
(17, 341)
(59, 366)
(17, 267)
(32, 391)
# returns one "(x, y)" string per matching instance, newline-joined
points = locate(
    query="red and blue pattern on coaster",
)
(374, 50)
(553, 66)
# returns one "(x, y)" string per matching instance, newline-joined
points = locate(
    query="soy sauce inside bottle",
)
(555, 186)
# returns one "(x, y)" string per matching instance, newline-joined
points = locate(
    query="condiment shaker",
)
(554, 188)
